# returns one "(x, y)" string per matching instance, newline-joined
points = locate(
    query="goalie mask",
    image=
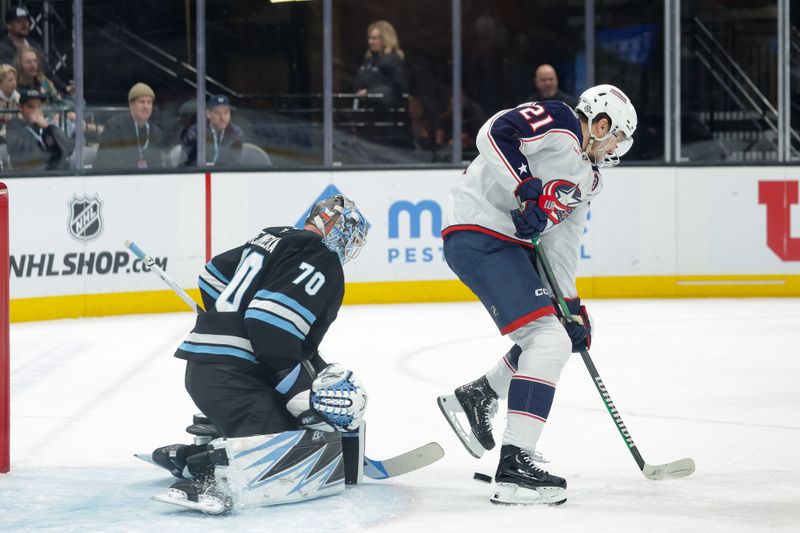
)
(343, 227)
(609, 101)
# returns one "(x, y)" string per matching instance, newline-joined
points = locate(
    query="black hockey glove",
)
(531, 219)
(580, 330)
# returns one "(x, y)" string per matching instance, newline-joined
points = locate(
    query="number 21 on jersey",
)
(533, 115)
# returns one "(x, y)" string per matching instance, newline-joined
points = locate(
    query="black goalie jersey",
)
(269, 302)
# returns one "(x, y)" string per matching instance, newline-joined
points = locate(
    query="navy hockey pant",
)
(502, 274)
(239, 402)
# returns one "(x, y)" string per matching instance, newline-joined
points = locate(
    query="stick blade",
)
(676, 469)
(403, 463)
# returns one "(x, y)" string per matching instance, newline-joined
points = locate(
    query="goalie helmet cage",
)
(5, 376)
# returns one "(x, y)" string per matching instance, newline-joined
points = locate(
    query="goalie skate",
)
(191, 496)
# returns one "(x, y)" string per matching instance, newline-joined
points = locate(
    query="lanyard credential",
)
(217, 142)
(147, 139)
(39, 136)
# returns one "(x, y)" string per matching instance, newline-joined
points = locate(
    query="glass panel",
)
(36, 88)
(629, 53)
(391, 102)
(139, 83)
(794, 78)
(729, 78)
(266, 58)
(504, 42)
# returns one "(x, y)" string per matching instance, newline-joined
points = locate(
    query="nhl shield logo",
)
(85, 217)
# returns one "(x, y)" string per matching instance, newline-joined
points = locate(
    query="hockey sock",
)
(499, 376)
(545, 350)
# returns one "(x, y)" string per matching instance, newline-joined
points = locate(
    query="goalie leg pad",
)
(280, 468)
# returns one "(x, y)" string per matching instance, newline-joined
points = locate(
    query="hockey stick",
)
(675, 469)
(150, 263)
(373, 468)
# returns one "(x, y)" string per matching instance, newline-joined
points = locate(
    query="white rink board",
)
(649, 221)
(162, 213)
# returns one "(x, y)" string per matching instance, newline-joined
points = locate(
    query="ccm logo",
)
(541, 292)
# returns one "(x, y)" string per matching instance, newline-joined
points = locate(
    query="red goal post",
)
(5, 368)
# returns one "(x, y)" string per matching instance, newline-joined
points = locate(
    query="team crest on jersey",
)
(85, 217)
(567, 197)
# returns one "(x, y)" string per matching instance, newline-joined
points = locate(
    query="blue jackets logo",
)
(85, 217)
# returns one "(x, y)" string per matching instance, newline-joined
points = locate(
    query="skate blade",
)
(511, 494)
(206, 504)
(450, 408)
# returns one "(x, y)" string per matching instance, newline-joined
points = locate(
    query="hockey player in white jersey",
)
(537, 171)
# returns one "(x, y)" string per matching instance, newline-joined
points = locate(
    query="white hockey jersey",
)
(541, 139)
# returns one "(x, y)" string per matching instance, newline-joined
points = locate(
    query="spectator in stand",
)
(383, 70)
(224, 139)
(9, 97)
(17, 36)
(33, 144)
(547, 87)
(31, 76)
(129, 140)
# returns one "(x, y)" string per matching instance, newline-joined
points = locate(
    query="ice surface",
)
(716, 380)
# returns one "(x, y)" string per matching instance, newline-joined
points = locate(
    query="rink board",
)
(654, 232)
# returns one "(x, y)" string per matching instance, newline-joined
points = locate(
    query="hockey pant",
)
(527, 376)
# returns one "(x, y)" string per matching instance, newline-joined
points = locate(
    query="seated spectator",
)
(31, 76)
(383, 70)
(129, 140)
(16, 35)
(9, 97)
(547, 87)
(33, 144)
(223, 138)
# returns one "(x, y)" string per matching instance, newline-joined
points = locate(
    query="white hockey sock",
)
(545, 350)
(499, 376)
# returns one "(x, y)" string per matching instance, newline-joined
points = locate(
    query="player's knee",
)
(544, 342)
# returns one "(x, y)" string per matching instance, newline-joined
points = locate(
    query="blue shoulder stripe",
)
(272, 320)
(208, 289)
(217, 274)
(288, 302)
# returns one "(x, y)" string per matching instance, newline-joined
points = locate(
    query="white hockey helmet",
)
(611, 101)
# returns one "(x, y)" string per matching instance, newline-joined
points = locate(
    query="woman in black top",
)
(383, 71)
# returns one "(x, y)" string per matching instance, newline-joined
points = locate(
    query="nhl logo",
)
(85, 217)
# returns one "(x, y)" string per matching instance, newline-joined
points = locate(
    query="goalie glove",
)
(336, 401)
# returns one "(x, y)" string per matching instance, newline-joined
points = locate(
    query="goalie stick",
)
(675, 469)
(375, 469)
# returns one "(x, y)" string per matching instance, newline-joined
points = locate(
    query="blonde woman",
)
(9, 97)
(383, 71)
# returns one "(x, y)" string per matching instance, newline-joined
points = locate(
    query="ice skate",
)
(477, 401)
(198, 496)
(520, 482)
(171, 458)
